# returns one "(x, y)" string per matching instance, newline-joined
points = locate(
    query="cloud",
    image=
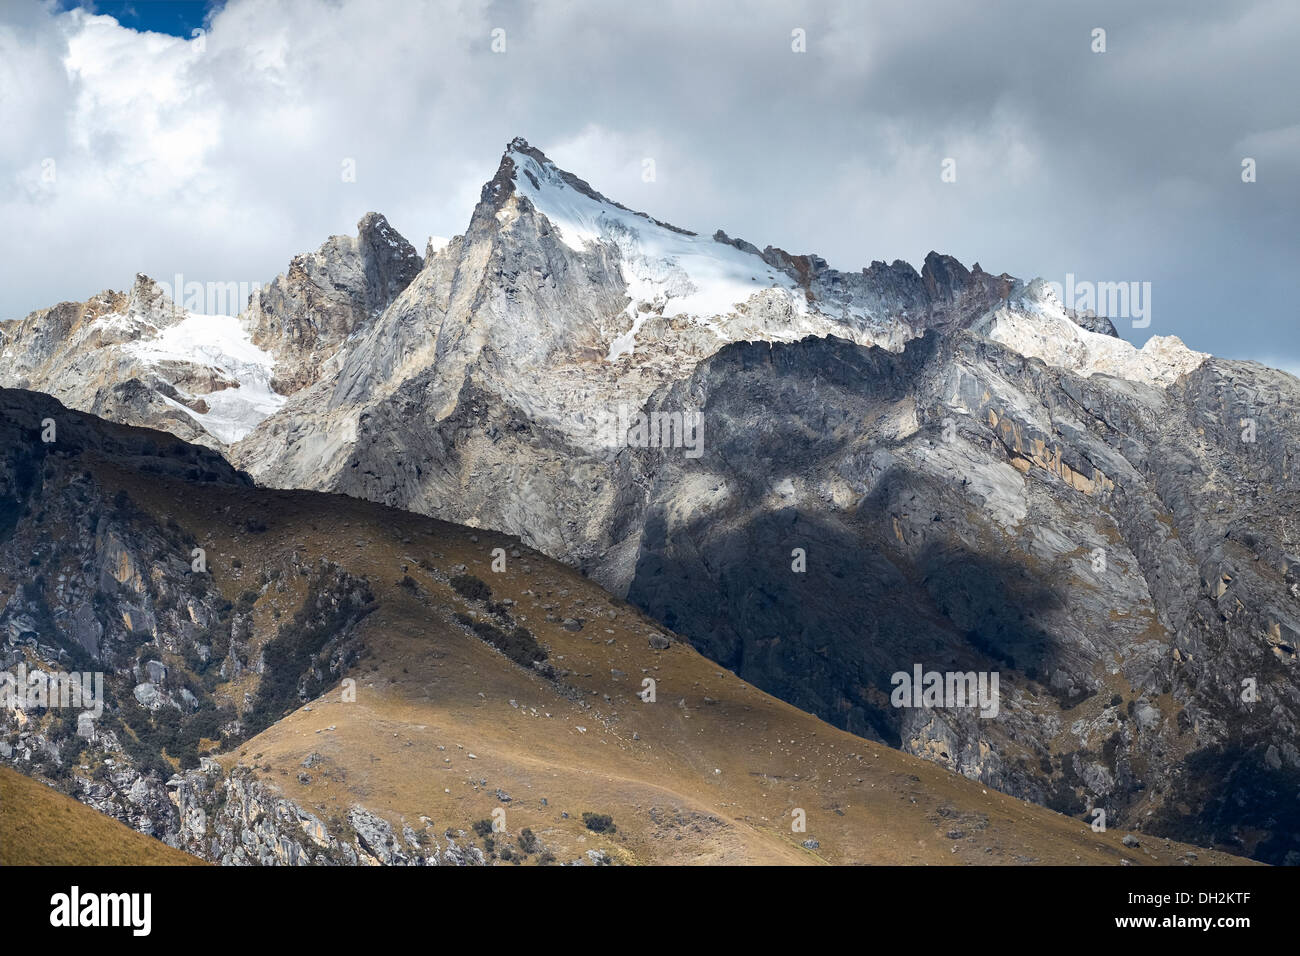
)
(222, 158)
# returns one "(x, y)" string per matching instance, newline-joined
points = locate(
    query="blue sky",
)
(175, 17)
(131, 146)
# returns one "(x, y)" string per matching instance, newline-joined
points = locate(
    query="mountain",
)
(140, 358)
(137, 358)
(820, 479)
(347, 683)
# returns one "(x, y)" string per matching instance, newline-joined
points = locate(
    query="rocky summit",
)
(820, 480)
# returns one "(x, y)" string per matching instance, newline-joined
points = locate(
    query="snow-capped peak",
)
(671, 270)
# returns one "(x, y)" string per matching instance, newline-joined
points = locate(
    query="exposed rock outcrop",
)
(305, 314)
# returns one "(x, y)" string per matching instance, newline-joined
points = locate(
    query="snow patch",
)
(1035, 324)
(219, 342)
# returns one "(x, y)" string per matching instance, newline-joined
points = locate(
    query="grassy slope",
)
(42, 827)
(687, 780)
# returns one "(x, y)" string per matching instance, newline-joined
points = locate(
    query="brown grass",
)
(42, 827)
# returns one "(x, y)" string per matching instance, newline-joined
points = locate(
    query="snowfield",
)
(219, 342)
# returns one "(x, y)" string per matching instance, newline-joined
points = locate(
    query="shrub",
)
(331, 607)
(468, 586)
(519, 645)
(483, 827)
(599, 822)
(528, 842)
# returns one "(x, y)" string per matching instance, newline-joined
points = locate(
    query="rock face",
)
(305, 314)
(972, 477)
(964, 508)
(235, 820)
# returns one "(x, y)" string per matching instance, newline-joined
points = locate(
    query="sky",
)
(214, 139)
